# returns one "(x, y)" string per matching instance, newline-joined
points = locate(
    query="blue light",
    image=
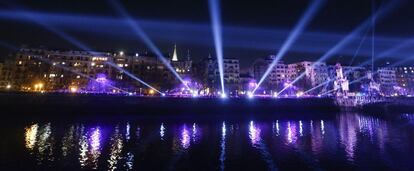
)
(133, 76)
(223, 95)
(310, 41)
(303, 22)
(320, 85)
(143, 36)
(350, 37)
(216, 27)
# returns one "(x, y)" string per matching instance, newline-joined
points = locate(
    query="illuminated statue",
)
(374, 87)
(341, 84)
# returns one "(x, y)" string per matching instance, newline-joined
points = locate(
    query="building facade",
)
(387, 80)
(316, 73)
(277, 76)
(231, 73)
(405, 79)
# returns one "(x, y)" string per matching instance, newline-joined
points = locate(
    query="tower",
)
(175, 57)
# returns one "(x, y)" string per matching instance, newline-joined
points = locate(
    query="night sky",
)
(251, 29)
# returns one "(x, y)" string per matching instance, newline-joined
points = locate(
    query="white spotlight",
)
(250, 95)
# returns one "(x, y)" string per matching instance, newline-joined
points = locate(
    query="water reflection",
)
(83, 147)
(275, 128)
(185, 137)
(129, 161)
(138, 132)
(322, 127)
(30, 136)
(127, 135)
(347, 139)
(89, 147)
(116, 145)
(254, 133)
(291, 135)
(45, 144)
(162, 131)
(68, 141)
(195, 135)
(348, 129)
(95, 143)
(258, 143)
(223, 146)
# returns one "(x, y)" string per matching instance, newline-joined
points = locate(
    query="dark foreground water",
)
(344, 142)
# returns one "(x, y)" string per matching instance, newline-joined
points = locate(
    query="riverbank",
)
(81, 104)
(107, 104)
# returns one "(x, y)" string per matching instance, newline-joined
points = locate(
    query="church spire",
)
(188, 54)
(175, 58)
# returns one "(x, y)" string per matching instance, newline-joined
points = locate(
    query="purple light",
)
(185, 137)
(100, 85)
(254, 133)
(196, 133)
(252, 84)
(223, 146)
(101, 78)
(287, 84)
(95, 144)
(291, 133)
(162, 131)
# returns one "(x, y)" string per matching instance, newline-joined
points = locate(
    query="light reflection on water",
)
(162, 131)
(223, 146)
(30, 136)
(115, 149)
(185, 137)
(45, 144)
(311, 140)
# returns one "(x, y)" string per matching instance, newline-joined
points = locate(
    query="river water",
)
(345, 141)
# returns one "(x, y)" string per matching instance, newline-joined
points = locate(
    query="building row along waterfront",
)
(56, 70)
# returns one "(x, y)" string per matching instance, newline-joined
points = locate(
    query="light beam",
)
(351, 36)
(214, 6)
(141, 34)
(320, 85)
(133, 76)
(300, 26)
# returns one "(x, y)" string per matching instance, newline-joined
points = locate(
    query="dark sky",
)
(251, 29)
